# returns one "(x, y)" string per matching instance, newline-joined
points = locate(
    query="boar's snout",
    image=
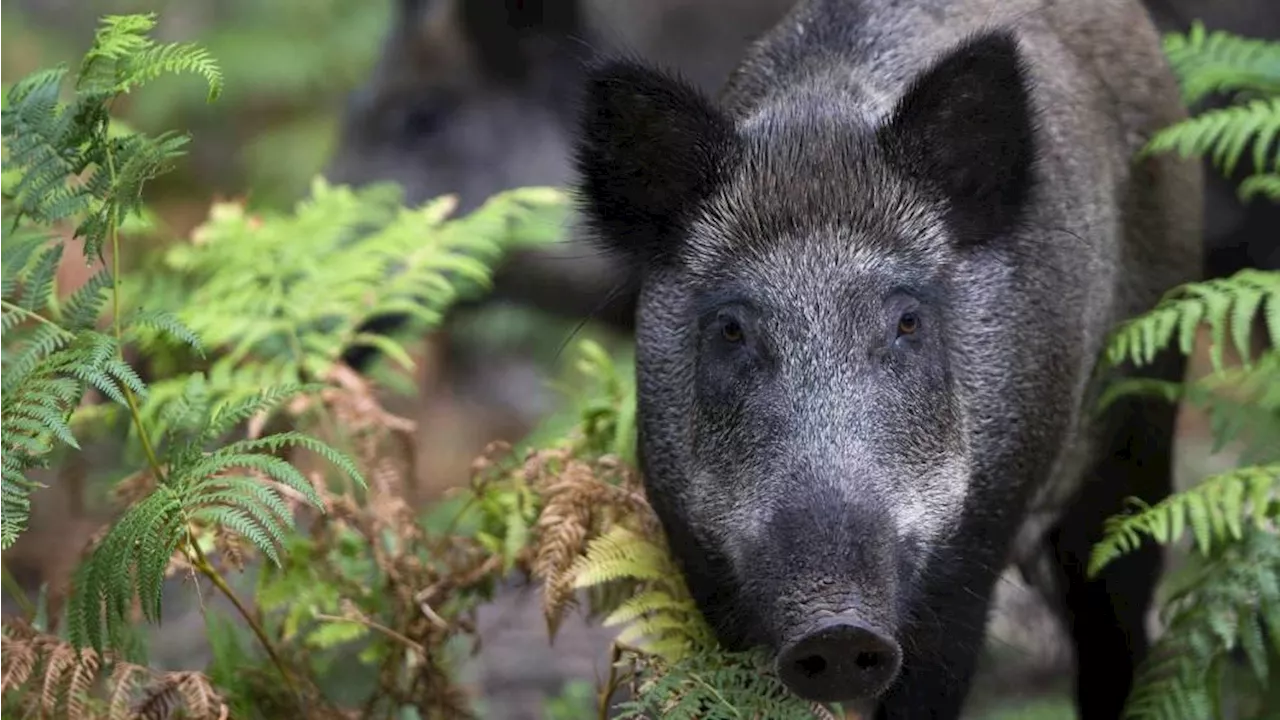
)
(841, 659)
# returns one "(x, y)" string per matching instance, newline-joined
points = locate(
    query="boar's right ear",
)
(650, 147)
(965, 128)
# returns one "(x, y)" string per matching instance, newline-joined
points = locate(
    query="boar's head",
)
(802, 426)
(469, 98)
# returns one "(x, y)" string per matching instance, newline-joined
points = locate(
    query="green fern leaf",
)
(167, 324)
(1216, 62)
(21, 244)
(1245, 492)
(242, 521)
(334, 633)
(279, 441)
(1215, 303)
(123, 57)
(1224, 134)
(1264, 184)
(620, 554)
(38, 286)
(650, 601)
(229, 415)
(122, 567)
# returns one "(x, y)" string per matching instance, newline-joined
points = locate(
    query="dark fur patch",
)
(650, 148)
(966, 128)
(509, 39)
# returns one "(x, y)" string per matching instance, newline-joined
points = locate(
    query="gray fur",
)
(824, 473)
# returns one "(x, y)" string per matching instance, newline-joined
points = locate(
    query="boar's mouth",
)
(841, 658)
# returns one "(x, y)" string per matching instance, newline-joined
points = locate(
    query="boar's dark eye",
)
(731, 330)
(908, 324)
(422, 118)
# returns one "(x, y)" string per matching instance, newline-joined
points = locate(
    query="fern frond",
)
(257, 529)
(199, 489)
(1221, 606)
(167, 324)
(37, 285)
(123, 57)
(229, 415)
(128, 563)
(279, 441)
(1216, 303)
(716, 686)
(47, 677)
(69, 163)
(81, 310)
(336, 632)
(42, 140)
(1225, 134)
(1216, 511)
(1215, 62)
(1265, 184)
(643, 603)
(21, 243)
(620, 554)
(366, 257)
(662, 612)
(41, 388)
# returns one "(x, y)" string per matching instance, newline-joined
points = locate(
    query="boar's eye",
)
(422, 118)
(908, 324)
(731, 330)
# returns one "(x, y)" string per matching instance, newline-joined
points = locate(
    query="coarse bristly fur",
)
(876, 275)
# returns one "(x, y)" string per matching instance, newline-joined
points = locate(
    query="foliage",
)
(73, 175)
(1212, 62)
(1219, 62)
(46, 677)
(289, 65)
(274, 309)
(1227, 601)
(239, 332)
(67, 171)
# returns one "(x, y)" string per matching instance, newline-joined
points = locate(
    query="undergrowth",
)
(1223, 606)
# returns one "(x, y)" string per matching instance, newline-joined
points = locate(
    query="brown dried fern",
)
(44, 676)
(174, 691)
(581, 499)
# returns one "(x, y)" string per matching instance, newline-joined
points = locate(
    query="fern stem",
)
(207, 569)
(113, 230)
(712, 689)
(611, 685)
(379, 627)
(17, 593)
(35, 316)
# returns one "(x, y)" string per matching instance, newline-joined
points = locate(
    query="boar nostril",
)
(841, 659)
(812, 665)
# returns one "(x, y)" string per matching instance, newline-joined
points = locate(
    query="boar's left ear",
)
(965, 128)
(649, 148)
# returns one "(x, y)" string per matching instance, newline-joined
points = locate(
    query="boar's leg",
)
(1106, 616)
